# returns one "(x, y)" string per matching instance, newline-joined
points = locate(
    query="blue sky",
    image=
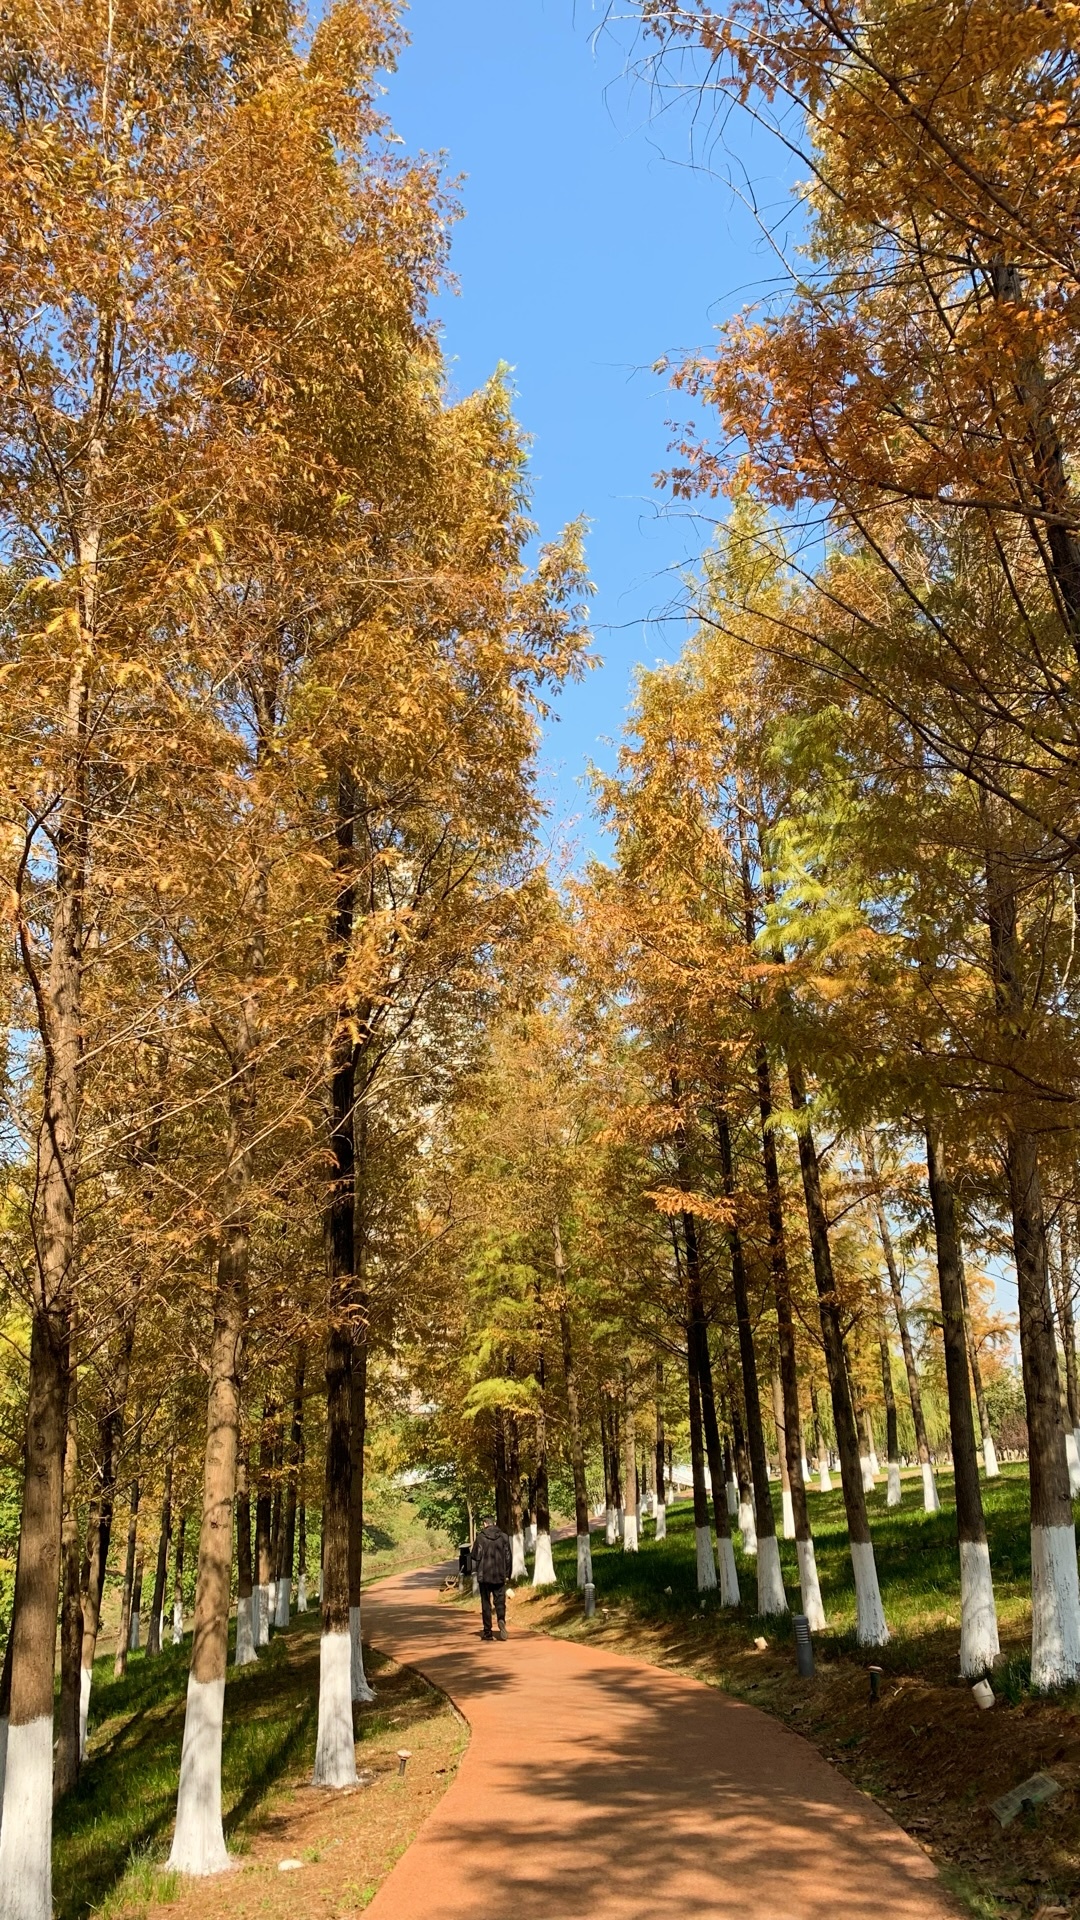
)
(590, 247)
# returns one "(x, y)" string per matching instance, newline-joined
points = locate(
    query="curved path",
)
(595, 1787)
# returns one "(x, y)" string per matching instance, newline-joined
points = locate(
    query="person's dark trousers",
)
(489, 1592)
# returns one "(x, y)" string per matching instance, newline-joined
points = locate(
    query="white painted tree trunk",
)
(518, 1569)
(177, 1623)
(4, 1724)
(875, 1463)
(133, 1634)
(530, 1537)
(301, 1594)
(584, 1560)
(747, 1527)
(335, 1753)
(706, 1564)
(824, 1477)
(284, 1596)
(262, 1616)
(729, 1572)
(661, 1520)
(867, 1473)
(990, 1459)
(1055, 1608)
(979, 1644)
(358, 1680)
(871, 1629)
(732, 1492)
(931, 1503)
(611, 1526)
(789, 1514)
(86, 1681)
(245, 1633)
(895, 1493)
(621, 1516)
(771, 1598)
(271, 1603)
(1072, 1456)
(630, 1531)
(810, 1586)
(26, 1833)
(805, 1471)
(199, 1841)
(543, 1565)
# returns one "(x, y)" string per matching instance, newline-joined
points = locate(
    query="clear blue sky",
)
(589, 248)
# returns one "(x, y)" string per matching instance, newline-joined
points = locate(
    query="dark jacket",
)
(492, 1558)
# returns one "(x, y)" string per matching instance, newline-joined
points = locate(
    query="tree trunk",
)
(821, 1443)
(990, 1461)
(661, 1491)
(706, 1562)
(136, 1602)
(26, 1838)
(301, 1585)
(931, 1501)
(1064, 1306)
(786, 1502)
(978, 1617)
(199, 1840)
(335, 1753)
(246, 1651)
(1055, 1600)
(892, 1435)
(358, 1682)
(791, 1443)
(161, 1569)
(543, 1565)
(124, 1629)
(276, 1527)
(697, 1334)
(1055, 1596)
(577, 1445)
(178, 1582)
(629, 1467)
(68, 1744)
(770, 1580)
(264, 1506)
(335, 1758)
(871, 1628)
(743, 1479)
(100, 1533)
(502, 1476)
(1058, 548)
(296, 1441)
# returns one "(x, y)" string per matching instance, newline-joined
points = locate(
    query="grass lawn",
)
(926, 1751)
(917, 1563)
(112, 1834)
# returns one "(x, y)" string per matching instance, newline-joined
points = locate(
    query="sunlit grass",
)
(917, 1561)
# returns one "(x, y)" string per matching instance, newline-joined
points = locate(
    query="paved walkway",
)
(595, 1787)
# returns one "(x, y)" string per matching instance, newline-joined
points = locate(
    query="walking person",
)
(492, 1561)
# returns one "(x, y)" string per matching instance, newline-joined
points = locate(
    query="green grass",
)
(918, 1569)
(110, 1833)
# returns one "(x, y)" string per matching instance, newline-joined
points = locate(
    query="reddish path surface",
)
(595, 1787)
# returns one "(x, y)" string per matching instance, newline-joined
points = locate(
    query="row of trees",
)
(272, 664)
(825, 988)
